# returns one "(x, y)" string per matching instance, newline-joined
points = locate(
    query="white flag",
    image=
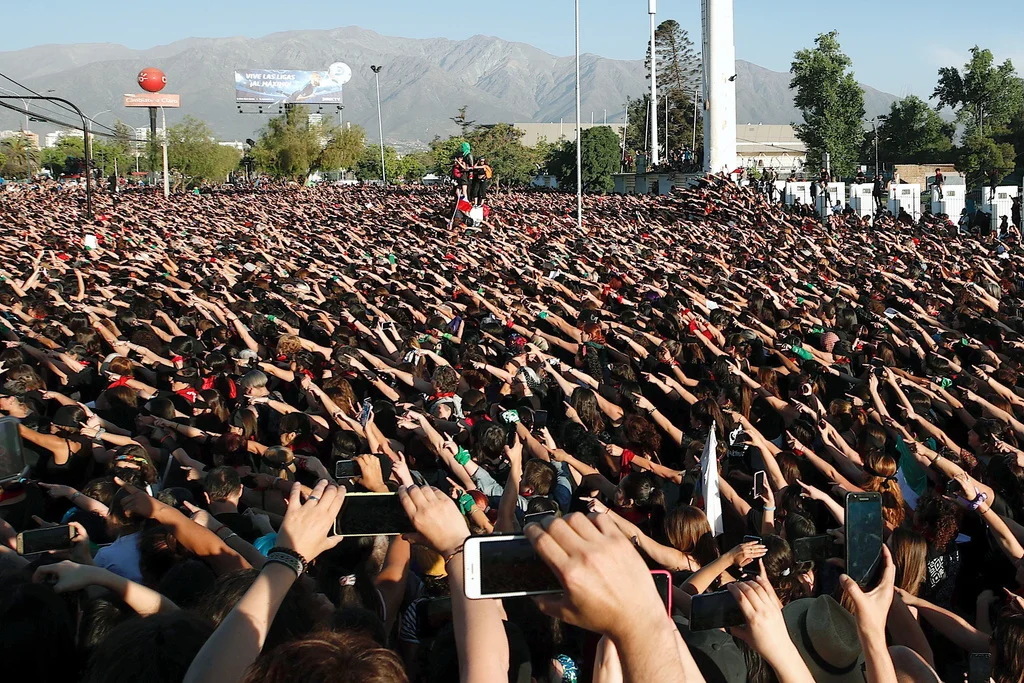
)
(709, 482)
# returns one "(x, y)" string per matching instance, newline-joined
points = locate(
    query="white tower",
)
(654, 88)
(719, 52)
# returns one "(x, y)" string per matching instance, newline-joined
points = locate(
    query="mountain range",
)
(422, 84)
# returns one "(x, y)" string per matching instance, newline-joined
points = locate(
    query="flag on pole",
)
(709, 482)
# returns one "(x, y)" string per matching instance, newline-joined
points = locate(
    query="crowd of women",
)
(185, 375)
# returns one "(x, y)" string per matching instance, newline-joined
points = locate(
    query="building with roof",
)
(556, 132)
(769, 146)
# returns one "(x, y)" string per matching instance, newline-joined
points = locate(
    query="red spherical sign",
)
(152, 79)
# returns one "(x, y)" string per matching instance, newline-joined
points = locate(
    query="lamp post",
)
(874, 129)
(651, 9)
(24, 103)
(380, 123)
(579, 136)
(167, 175)
(85, 133)
(88, 150)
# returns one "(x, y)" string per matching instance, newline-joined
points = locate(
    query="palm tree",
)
(21, 154)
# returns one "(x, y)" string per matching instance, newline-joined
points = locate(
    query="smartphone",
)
(760, 483)
(863, 548)
(364, 412)
(372, 514)
(345, 469)
(540, 419)
(12, 455)
(979, 667)
(505, 567)
(43, 540)
(815, 548)
(663, 582)
(715, 610)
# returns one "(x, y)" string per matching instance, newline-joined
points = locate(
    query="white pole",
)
(167, 175)
(579, 137)
(380, 124)
(666, 126)
(719, 86)
(651, 9)
(693, 143)
(606, 117)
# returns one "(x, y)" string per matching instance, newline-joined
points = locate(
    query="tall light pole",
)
(874, 129)
(579, 136)
(88, 150)
(24, 103)
(167, 175)
(380, 123)
(719, 60)
(651, 10)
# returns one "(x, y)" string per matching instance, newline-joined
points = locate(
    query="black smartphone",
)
(760, 483)
(540, 419)
(372, 514)
(505, 566)
(815, 548)
(979, 667)
(12, 455)
(345, 469)
(44, 540)
(663, 582)
(864, 547)
(715, 610)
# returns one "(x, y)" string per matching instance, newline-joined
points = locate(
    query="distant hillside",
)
(423, 82)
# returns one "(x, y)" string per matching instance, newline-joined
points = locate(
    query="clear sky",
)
(896, 45)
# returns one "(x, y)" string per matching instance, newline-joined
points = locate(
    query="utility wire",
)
(60, 104)
(76, 126)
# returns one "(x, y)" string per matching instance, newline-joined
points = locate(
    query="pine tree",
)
(679, 76)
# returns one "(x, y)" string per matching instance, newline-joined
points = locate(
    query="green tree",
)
(679, 71)
(194, 155)
(511, 161)
(912, 132)
(986, 97)
(21, 157)
(367, 167)
(462, 121)
(599, 159)
(637, 122)
(65, 157)
(832, 104)
(442, 152)
(289, 146)
(982, 160)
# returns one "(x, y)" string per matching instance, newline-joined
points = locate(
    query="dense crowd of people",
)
(186, 375)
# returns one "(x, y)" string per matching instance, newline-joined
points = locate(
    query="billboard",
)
(288, 86)
(153, 99)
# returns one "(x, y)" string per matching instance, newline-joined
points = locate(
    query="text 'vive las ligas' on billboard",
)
(290, 86)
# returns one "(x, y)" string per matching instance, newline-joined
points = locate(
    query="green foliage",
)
(64, 157)
(513, 163)
(637, 111)
(367, 167)
(987, 97)
(983, 160)
(21, 158)
(501, 145)
(832, 104)
(599, 159)
(194, 155)
(679, 71)
(913, 132)
(290, 147)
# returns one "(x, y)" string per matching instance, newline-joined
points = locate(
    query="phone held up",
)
(864, 547)
(37, 541)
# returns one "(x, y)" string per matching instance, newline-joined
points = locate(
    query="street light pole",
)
(167, 176)
(24, 103)
(380, 124)
(579, 136)
(85, 133)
